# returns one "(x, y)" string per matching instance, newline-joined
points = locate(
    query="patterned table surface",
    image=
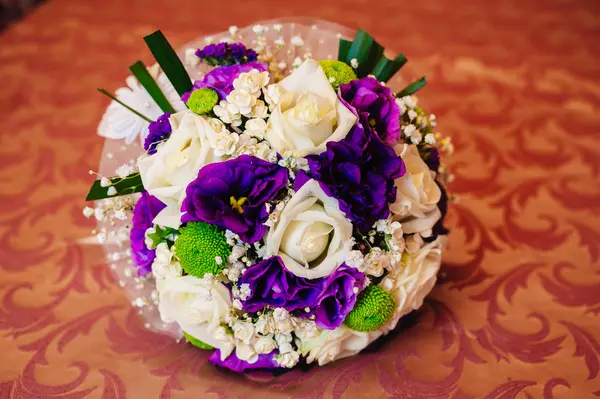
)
(514, 82)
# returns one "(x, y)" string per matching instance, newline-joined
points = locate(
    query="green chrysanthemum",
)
(202, 248)
(373, 308)
(337, 72)
(196, 342)
(202, 101)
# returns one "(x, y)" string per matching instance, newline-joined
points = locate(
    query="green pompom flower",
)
(202, 248)
(202, 101)
(337, 72)
(373, 308)
(196, 342)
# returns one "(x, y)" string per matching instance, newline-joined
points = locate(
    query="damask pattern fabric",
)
(516, 311)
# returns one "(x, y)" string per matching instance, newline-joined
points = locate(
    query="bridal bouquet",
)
(282, 213)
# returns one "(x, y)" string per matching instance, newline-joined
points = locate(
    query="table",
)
(514, 83)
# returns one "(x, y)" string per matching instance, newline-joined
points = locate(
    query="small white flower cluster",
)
(244, 100)
(110, 210)
(418, 128)
(237, 261)
(275, 212)
(245, 106)
(374, 263)
(271, 330)
(393, 234)
(294, 165)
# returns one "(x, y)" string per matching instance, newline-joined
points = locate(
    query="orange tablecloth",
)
(514, 82)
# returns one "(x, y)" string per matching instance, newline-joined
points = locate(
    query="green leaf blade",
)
(343, 50)
(360, 49)
(386, 68)
(412, 88)
(129, 185)
(140, 72)
(112, 97)
(168, 60)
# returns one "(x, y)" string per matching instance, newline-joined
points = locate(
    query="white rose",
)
(252, 81)
(308, 114)
(199, 306)
(413, 243)
(243, 330)
(242, 101)
(312, 235)
(411, 283)
(264, 344)
(163, 265)
(335, 344)
(226, 143)
(418, 194)
(256, 127)
(167, 173)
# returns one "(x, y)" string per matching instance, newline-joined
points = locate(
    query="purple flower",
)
(329, 298)
(158, 131)
(233, 194)
(251, 55)
(370, 96)
(338, 297)
(226, 54)
(234, 363)
(359, 171)
(144, 212)
(433, 159)
(209, 50)
(221, 79)
(221, 50)
(238, 50)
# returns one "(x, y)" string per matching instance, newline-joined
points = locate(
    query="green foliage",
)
(147, 81)
(373, 308)
(196, 342)
(365, 55)
(122, 186)
(160, 235)
(169, 62)
(199, 246)
(337, 72)
(202, 101)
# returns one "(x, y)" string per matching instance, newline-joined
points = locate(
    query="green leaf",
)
(343, 50)
(169, 62)
(375, 53)
(128, 185)
(143, 76)
(360, 49)
(386, 68)
(160, 235)
(412, 88)
(107, 94)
